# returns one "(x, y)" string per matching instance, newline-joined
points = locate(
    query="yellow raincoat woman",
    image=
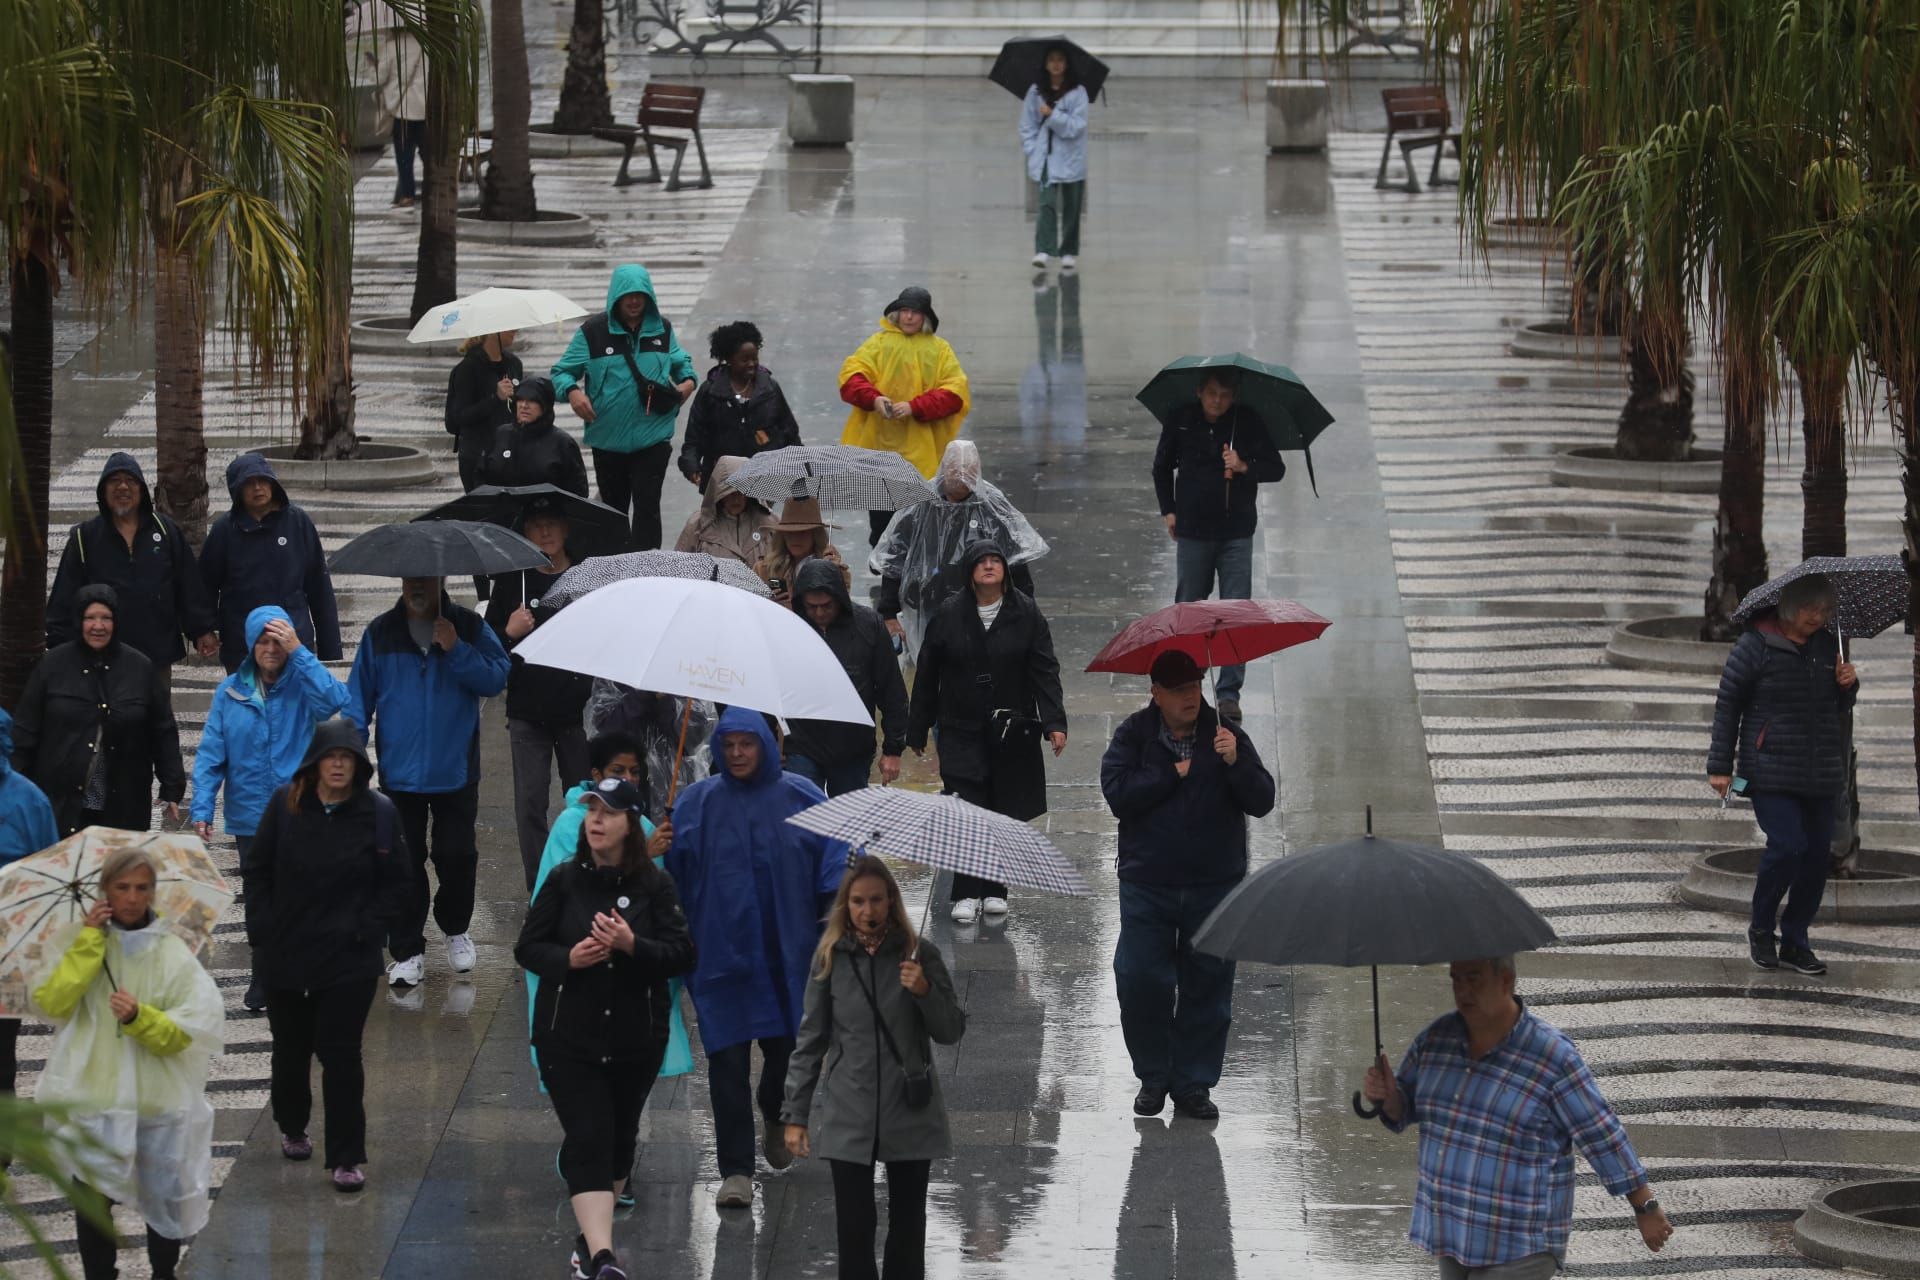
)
(139, 1023)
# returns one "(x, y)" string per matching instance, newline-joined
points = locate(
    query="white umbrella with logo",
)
(494, 311)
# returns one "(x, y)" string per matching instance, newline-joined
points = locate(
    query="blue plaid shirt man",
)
(1497, 1136)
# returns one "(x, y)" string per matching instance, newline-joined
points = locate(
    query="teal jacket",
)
(593, 360)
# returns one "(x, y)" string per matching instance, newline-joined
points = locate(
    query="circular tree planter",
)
(551, 228)
(1885, 887)
(387, 336)
(1596, 467)
(1507, 232)
(1873, 1226)
(1669, 642)
(544, 144)
(374, 466)
(1556, 340)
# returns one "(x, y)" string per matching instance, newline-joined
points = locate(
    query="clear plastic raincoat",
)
(139, 1091)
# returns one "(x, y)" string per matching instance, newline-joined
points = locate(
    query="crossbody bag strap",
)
(873, 1003)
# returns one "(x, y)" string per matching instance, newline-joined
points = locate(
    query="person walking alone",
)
(878, 999)
(1053, 134)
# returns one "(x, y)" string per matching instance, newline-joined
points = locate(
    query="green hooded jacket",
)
(593, 361)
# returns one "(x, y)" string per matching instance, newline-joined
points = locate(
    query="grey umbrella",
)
(1870, 592)
(437, 549)
(839, 475)
(591, 575)
(1372, 901)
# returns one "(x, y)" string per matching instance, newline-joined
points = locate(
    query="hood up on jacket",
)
(539, 389)
(257, 621)
(978, 551)
(710, 528)
(91, 594)
(628, 278)
(251, 466)
(746, 720)
(337, 734)
(128, 463)
(817, 574)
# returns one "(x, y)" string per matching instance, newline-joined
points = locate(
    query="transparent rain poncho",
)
(924, 539)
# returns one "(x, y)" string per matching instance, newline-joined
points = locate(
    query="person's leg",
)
(808, 768)
(1535, 1266)
(1780, 818)
(1073, 198)
(9, 1053)
(163, 1255)
(1451, 1269)
(613, 479)
(774, 1053)
(649, 474)
(456, 856)
(163, 677)
(582, 1098)
(1205, 1009)
(339, 1022)
(1193, 564)
(407, 938)
(965, 886)
(1817, 817)
(532, 746)
(906, 1256)
(290, 1022)
(1234, 564)
(877, 522)
(100, 1248)
(1144, 966)
(570, 754)
(1046, 224)
(629, 1083)
(730, 1091)
(851, 775)
(855, 1220)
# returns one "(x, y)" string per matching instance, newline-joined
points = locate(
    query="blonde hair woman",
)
(879, 998)
(800, 535)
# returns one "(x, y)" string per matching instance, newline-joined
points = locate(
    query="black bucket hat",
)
(918, 299)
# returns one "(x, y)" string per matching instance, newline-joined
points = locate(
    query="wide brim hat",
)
(919, 300)
(800, 515)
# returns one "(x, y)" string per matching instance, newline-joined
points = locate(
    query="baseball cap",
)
(617, 793)
(1175, 668)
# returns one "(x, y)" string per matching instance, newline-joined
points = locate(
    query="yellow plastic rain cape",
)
(903, 367)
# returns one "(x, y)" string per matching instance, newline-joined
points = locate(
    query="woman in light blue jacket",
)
(258, 726)
(1053, 133)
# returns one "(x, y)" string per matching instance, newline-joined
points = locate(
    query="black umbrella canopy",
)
(1022, 62)
(595, 529)
(437, 549)
(1870, 592)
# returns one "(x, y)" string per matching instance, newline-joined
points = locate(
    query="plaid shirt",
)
(1182, 748)
(1497, 1138)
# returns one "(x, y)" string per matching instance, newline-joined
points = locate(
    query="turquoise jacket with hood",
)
(593, 360)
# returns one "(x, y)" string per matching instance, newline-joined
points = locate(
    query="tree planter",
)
(544, 144)
(551, 228)
(1297, 115)
(1508, 232)
(374, 466)
(1556, 340)
(1885, 887)
(1872, 1226)
(1670, 642)
(387, 336)
(1595, 467)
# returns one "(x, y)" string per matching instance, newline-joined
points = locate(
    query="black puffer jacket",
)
(720, 425)
(860, 640)
(615, 1011)
(474, 406)
(538, 452)
(1780, 703)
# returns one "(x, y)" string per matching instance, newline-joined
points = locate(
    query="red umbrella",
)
(1217, 633)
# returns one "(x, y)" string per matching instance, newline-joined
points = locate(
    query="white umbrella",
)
(700, 640)
(494, 311)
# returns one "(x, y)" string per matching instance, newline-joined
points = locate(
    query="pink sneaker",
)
(300, 1148)
(348, 1178)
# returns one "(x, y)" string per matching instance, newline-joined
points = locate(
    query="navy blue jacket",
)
(1780, 703)
(424, 707)
(1181, 832)
(277, 560)
(1190, 480)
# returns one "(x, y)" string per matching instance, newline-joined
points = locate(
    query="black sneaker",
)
(1760, 948)
(606, 1268)
(580, 1259)
(256, 998)
(1150, 1101)
(1802, 960)
(1197, 1106)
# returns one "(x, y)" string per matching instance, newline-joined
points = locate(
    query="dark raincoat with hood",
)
(537, 452)
(277, 560)
(26, 818)
(156, 581)
(723, 425)
(859, 639)
(80, 703)
(755, 889)
(474, 407)
(628, 417)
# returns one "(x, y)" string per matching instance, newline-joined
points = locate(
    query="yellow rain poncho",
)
(900, 368)
(139, 1091)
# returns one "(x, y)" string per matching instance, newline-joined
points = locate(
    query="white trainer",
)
(1068, 263)
(407, 973)
(966, 911)
(461, 954)
(994, 906)
(1040, 261)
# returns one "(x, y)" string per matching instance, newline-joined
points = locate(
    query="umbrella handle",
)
(673, 778)
(1364, 1109)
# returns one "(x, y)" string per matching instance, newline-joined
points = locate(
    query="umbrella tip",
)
(1369, 822)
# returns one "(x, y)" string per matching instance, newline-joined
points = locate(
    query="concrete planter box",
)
(1297, 115)
(1537, 234)
(1869, 1226)
(1595, 467)
(820, 110)
(1885, 888)
(551, 228)
(1556, 340)
(387, 336)
(544, 144)
(1670, 642)
(377, 466)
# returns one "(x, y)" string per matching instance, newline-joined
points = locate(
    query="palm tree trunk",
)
(1739, 547)
(179, 355)
(1656, 424)
(585, 104)
(23, 576)
(507, 191)
(1823, 484)
(326, 429)
(436, 273)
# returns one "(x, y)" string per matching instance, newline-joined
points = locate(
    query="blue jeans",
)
(1175, 1003)
(834, 779)
(408, 137)
(1197, 562)
(1794, 867)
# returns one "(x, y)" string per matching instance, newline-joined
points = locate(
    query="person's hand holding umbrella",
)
(1382, 1089)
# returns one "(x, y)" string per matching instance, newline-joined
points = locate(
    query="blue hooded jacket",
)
(256, 735)
(755, 890)
(274, 560)
(594, 360)
(424, 705)
(26, 818)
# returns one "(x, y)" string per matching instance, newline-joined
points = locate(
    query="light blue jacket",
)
(1055, 144)
(257, 735)
(26, 817)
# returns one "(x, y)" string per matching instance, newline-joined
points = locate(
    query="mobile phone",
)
(1738, 786)
(776, 585)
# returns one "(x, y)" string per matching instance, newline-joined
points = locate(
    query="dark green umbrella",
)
(1291, 414)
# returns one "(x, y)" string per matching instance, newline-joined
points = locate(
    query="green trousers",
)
(1057, 229)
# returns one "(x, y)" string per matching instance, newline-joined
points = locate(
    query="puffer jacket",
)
(860, 640)
(1780, 704)
(274, 560)
(537, 452)
(723, 425)
(424, 705)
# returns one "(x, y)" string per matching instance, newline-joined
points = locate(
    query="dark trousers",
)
(877, 522)
(1175, 1003)
(634, 479)
(9, 1053)
(538, 749)
(832, 778)
(455, 858)
(1057, 229)
(407, 137)
(326, 1024)
(855, 1219)
(100, 1249)
(1794, 867)
(599, 1106)
(730, 1089)
(965, 886)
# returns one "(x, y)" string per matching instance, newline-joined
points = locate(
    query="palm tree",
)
(507, 191)
(452, 47)
(585, 103)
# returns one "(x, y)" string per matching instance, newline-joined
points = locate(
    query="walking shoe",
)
(1197, 1106)
(1150, 1101)
(1230, 709)
(407, 973)
(735, 1192)
(605, 1267)
(1067, 262)
(348, 1178)
(994, 906)
(965, 911)
(1040, 260)
(774, 1147)
(1802, 960)
(580, 1260)
(1760, 948)
(300, 1148)
(256, 998)
(460, 953)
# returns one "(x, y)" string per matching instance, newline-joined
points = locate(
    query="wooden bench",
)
(663, 106)
(1422, 110)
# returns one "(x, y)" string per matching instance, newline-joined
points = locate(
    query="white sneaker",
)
(460, 953)
(994, 906)
(407, 973)
(1040, 261)
(1067, 262)
(966, 910)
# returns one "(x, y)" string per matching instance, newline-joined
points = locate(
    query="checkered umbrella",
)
(944, 832)
(839, 475)
(600, 571)
(1870, 592)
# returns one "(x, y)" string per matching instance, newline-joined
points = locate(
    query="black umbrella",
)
(594, 529)
(437, 549)
(1870, 592)
(1373, 902)
(1023, 61)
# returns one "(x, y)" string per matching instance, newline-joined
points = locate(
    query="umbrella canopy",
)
(838, 475)
(700, 640)
(494, 311)
(1022, 62)
(437, 549)
(1294, 418)
(46, 892)
(594, 528)
(947, 833)
(1870, 592)
(692, 566)
(1216, 633)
